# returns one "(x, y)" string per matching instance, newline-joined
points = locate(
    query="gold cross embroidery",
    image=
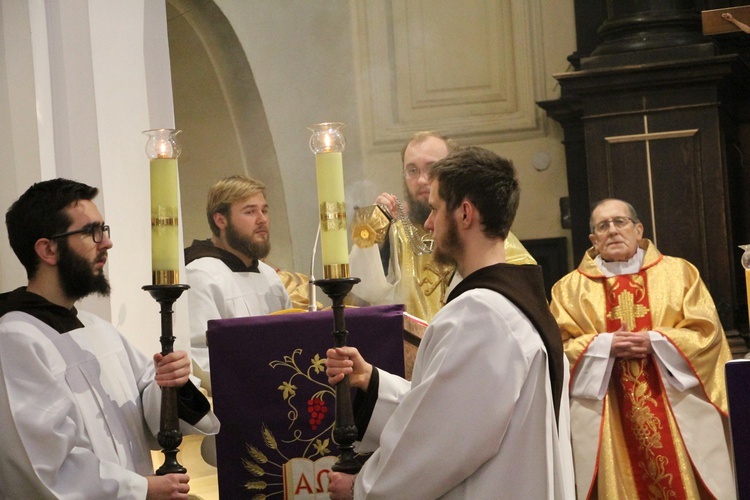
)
(627, 310)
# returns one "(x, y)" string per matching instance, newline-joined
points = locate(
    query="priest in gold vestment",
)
(392, 250)
(647, 355)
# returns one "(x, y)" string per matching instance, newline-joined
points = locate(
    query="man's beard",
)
(418, 210)
(449, 247)
(245, 244)
(77, 277)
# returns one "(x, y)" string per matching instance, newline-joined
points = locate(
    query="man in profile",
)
(79, 405)
(647, 350)
(226, 275)
(480, 416)
(398, 267)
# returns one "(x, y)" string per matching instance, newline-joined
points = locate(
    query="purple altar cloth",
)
(272, 397)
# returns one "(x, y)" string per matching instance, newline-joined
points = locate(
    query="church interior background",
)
(589, 98)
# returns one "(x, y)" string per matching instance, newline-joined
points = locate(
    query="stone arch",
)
(224, 126)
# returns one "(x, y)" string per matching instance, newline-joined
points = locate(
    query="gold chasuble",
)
(425, 282)
(643, 432)
(422, 284)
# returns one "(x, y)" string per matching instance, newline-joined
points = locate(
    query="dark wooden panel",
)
(600, 158)
(678, 204)
(627, 171)
(699, 182)
(552, 255)
(704, 238)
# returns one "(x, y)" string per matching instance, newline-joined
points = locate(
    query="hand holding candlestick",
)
(169, 436)
(344, 429)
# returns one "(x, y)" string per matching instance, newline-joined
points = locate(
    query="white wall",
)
(82, 80)
(301, 56)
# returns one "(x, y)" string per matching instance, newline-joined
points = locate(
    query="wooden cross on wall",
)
(646, 137)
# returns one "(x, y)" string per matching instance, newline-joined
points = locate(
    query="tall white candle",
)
(163, 150)
(328, 143)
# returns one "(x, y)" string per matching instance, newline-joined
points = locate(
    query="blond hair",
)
(227, 191)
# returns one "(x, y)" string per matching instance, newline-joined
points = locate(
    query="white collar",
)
(631, 266)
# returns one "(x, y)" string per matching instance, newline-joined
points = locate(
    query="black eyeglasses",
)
(96, 231)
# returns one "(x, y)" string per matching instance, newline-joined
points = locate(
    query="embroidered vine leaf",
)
(321, 447)
(318, 363)
(288, 390)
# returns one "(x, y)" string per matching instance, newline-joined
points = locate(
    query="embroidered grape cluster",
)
(317, 409)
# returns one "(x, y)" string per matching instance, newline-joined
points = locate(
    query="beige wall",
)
(249, 76)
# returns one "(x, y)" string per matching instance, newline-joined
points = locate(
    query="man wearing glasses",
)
(647, 351)
(79, 405)
(408, 273)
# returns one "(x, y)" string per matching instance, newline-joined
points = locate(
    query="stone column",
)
(644, 31)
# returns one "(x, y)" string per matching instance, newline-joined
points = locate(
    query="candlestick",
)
(162, 149)
(344, 428)
(169, 436)
(745, 261)
(328, 143)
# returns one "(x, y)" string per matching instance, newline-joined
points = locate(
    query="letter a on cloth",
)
(271, 394)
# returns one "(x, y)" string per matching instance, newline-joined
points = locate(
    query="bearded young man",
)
(226, 275)
(479, 418)
(400, 268)
(647, 350)
(79, 405)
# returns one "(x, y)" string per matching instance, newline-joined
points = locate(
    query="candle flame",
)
(163, 150)
(327, 140)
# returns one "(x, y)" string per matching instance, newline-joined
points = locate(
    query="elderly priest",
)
(647, 350)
